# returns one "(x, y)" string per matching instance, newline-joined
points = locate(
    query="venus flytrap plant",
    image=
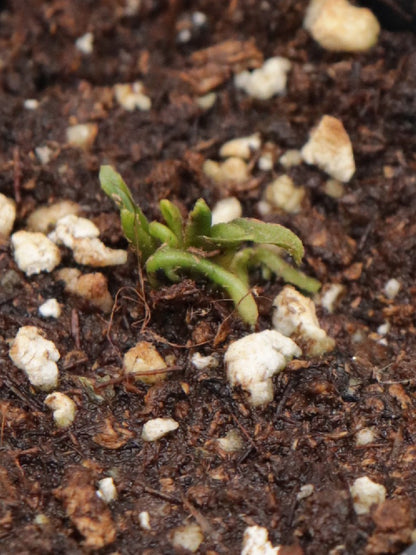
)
(216, 252)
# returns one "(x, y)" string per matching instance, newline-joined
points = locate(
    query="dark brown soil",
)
(307, 435)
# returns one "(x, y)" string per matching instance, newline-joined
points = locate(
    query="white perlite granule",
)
(365, 436)
(329, 147)
(141, 360)
(82, 135)
(71, 227)
(206, 101)
(63, 408)
(283, 194)
(232, 169)
(188, 537)
(92, 286)
(391, 288)
(263, 83)
(256, 542)
(107, 490)
(253, 360)
(31, 104)
(204, 362)
(242, 147)
(226, 210)
(144, 520)
(50, 309)
(34, 252)
(365, 493)
(131, 96)
(157, 428)
(337, 25)
(331, 295)
(85, 44)
(36, 356)
(7, 215)
(81, 235)
(43, 219)
(295, 316)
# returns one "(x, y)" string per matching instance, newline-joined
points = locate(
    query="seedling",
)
(221, 253)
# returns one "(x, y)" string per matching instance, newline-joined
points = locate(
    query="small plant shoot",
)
(222, 254)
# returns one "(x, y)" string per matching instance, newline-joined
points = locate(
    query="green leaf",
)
(163, 234)
(114, 186)
(281, 268)
(249, 229)
(134, 223)
(198, 225)
(141, 240)
(170, 261)
(241, 263)
(173, 218)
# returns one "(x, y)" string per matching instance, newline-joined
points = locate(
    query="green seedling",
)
(221, 253)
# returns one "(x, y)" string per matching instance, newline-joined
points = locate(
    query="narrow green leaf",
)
(134, 223)
(241, 263)
(281, 268)
(142, 242)
(114, 186)
(162, 233)
(173, 218)
(171, 261)
(198, 225)
(250, 229)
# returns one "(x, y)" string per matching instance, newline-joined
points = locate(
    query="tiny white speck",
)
(85, 44)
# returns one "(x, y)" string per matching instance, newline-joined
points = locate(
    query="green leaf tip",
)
(114, 186)
(198, 224)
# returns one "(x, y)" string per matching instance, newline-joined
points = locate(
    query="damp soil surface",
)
(361, 238)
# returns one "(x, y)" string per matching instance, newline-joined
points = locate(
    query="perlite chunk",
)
(283, 194)
(226, 209)
(157, 428)
(231, 442)
(253, 360)
(256, 542)
(365, 493)
(188, 537)
(93, 287)
(82, 135)
(329, 147)
(242, 147)
(339, 26)
(90, 251)
(34, 252)
(81, 235)
(392, 288)
(71, 227)
(295, 316)
(131, 96)
(44, 218)
(7, 215)
(63, 408)
(107, 490)
(142, 360)
(232, 169)
(50, 309)
(85, 43)
(36, 356)
(266, 81)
